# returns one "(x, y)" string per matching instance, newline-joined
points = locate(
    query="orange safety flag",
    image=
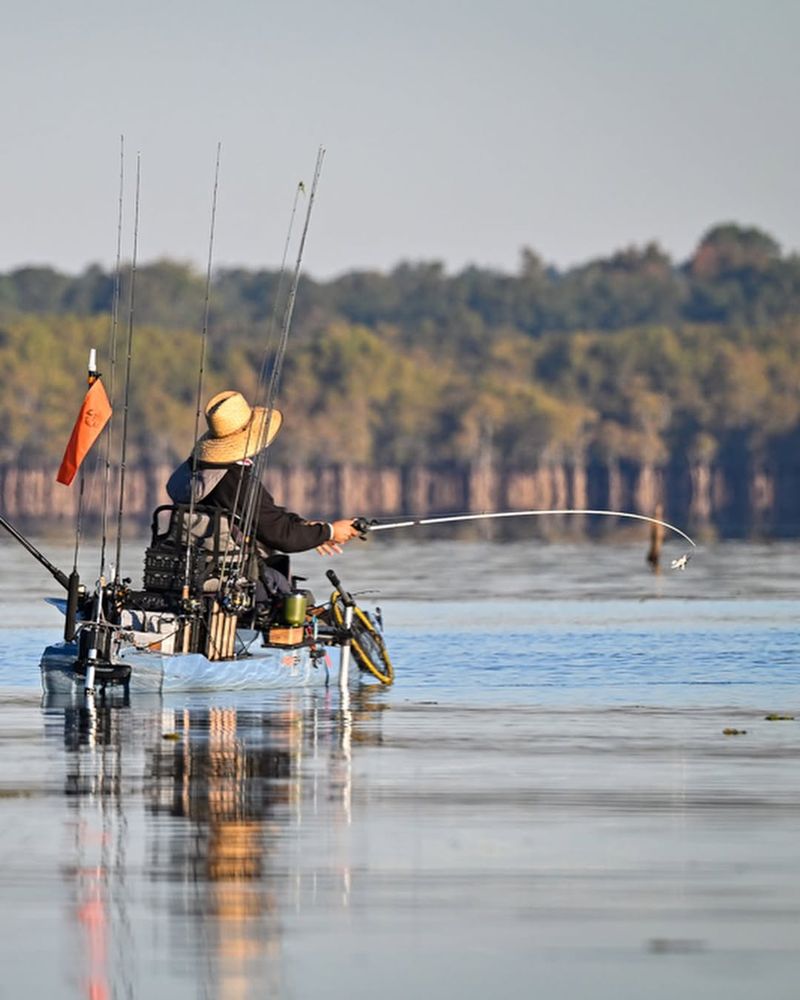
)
(94, 415)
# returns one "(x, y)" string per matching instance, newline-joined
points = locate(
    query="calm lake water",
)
(545, 804)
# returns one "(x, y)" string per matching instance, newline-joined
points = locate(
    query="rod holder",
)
(72, 606)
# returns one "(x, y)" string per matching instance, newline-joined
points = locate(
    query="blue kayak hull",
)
(153, 672)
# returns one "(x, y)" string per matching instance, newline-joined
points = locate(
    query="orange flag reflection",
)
(94, 415)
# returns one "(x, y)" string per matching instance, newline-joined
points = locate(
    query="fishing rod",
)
(201, 373)
(54, 571)
(262, 375)
(70, 583)
(259, 464)
(112, 353)
(287, 318)
(126, 397)
(364, 525)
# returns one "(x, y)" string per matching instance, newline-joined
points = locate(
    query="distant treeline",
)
(627, 361)
(736, 276)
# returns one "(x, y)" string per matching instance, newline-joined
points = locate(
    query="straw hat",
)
(236, 430)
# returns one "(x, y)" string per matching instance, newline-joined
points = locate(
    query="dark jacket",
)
(275, 527)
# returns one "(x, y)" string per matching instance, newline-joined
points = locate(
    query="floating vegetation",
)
(729, 731)
(675, 946)
(776, 717)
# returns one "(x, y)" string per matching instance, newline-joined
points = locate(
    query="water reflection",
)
(94, 739)
(212, 806)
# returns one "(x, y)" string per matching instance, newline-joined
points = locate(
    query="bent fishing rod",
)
(364, 525)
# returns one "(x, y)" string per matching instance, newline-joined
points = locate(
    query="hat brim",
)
(251, 439)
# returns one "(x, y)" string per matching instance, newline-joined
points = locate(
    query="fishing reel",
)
(237, 598)
(116, 595)
(191, 605)
(362, 526)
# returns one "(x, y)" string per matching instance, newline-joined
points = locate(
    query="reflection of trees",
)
(226, 772)
(225, 781)
(237, 787)
(232, 798)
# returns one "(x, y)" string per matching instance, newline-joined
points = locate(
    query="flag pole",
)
(92, 418)
(74, 581)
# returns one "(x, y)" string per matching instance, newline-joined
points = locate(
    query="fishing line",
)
(203, 340)
(375, 525)
(112, 352)
(131, 307)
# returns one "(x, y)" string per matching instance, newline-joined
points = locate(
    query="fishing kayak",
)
(146, 671)
(143, 652)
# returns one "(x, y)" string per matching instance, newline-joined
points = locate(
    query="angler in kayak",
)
(223, 472)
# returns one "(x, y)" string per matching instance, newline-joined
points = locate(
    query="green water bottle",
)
(294, 609)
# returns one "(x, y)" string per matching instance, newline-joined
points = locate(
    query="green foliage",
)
(628, 358)
(737, 275)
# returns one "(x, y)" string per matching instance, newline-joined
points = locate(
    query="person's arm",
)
(276, 527)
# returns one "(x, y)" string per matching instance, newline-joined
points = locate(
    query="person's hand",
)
(329, 549)
(343, 531)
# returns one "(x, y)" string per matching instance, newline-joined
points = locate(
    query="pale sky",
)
(454, 132)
